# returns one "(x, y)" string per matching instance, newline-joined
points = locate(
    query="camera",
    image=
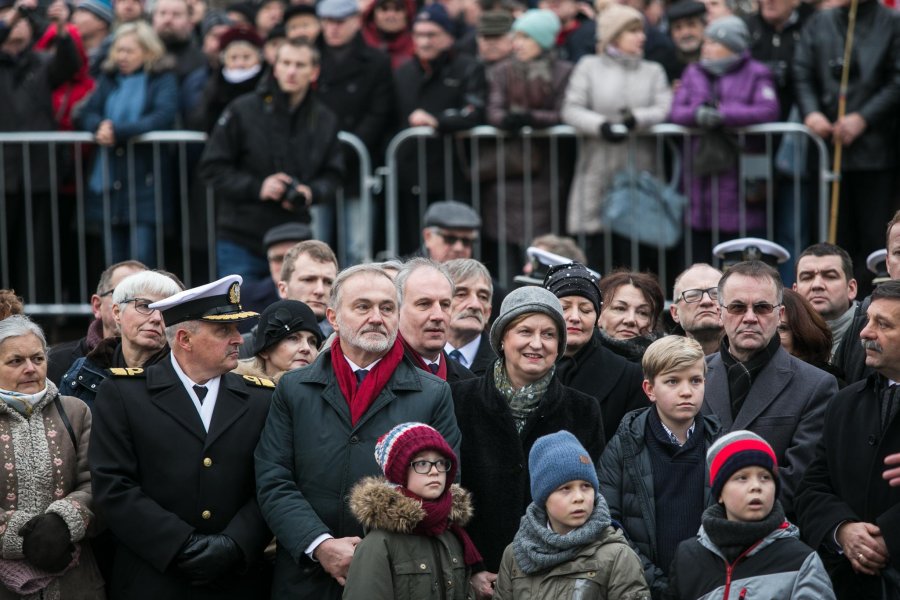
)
(292, 195)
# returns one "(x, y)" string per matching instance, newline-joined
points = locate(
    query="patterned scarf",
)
(537, 547)
(23, 403)
(437, 521)
(524, 400)
(361, 398)
(741, 375)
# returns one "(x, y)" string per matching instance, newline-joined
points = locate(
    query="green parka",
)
(392, 563)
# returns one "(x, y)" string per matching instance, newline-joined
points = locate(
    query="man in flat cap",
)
(171, 459)
(451, 229)
(687, 20)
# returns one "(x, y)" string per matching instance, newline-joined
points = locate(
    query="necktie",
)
(456, 355)
(889, 405)
(433, 367)
(201, 391)
(360, 375)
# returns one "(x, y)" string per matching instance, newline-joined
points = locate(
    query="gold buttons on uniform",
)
(207, 462)
(206, 515)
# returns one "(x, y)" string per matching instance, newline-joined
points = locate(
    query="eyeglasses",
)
(423, 467)
(141, 305)
(696, 295)
(451, 239)
(276, 258)
(759, 308)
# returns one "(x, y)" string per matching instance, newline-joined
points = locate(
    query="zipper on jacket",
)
(438, 568)
(729, 570)
(743, 594)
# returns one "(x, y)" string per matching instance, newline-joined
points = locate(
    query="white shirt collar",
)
(205, 410)
(468, 351)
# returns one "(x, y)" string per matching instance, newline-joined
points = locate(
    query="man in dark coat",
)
(470, 313)
(272, 155)
(320, 436)
(868, 130)
(426, 289)
(846, 509)
(753, 383)
(171, 459)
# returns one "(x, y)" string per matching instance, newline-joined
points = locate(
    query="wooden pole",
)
(842, 109)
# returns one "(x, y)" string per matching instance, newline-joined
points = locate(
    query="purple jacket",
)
(746, 96)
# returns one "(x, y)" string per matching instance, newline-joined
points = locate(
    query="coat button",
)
(206, 515)
(455, 560)
(423, 566)
(117, 185)
(354, 440)
(207, 462)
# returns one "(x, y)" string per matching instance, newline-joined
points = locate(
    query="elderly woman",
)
(137, 93)
(630, 312)
(588, 366)
(287, 337)
(46, 489)
(142, 341)
(502, 413)
(609, 95)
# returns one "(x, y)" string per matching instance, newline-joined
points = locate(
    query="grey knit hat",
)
(731, 32)
(526, 300)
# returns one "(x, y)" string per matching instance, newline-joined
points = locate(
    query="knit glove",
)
(46, 542)
(515, 121)
(708, 117)
(613, 132)
(628, 119)
(205, 558)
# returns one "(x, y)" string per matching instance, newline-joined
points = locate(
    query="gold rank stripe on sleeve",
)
(259, 381)
(126, 372)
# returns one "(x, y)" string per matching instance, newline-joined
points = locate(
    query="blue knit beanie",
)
(540, 25)
(99, 8)
(556, 459)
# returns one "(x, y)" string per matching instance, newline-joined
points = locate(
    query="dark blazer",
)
(455, 370)
(494, 456)
(844, 483)
(485, 356)
(610, 378)
(158, 477)
(785, 406)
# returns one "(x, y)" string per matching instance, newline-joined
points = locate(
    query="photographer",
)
(272, 154)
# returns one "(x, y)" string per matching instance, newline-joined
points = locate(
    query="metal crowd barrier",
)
(177, 151)
(668, 138)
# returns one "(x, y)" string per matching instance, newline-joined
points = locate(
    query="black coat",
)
(614, 381)
(257, 136)
(455, 370)
(153, 484)
(874, 90)
(485, 356)
(844, 483)
(494, 457)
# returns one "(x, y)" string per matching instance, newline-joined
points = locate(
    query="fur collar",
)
(377, 504)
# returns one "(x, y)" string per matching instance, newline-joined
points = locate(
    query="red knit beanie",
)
(396, 449)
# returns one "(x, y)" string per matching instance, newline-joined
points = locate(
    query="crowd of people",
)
(273, 83)
(393, 433)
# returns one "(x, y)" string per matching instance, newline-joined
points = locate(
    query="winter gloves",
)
(205, 558)
(47, 543)
(708, 117)
(617, 132)
(514, 121)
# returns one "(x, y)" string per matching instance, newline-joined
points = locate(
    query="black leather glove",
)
(514, 121)
(47, 543)
(708, 117)
(628, 119)
(613, 132)
(205, 558)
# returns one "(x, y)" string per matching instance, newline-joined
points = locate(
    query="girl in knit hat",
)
(566, 547)
(746, 548)
(415, 547)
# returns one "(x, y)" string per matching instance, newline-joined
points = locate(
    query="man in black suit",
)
(470, 311)
(171, 459)
(426, 290)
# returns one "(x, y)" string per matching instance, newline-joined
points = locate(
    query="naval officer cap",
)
(541, 262)
(877, 263)
(216, 302)
(750, 248)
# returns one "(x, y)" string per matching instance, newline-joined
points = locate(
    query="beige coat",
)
(43, 472)
(599, 89)
(608, 569)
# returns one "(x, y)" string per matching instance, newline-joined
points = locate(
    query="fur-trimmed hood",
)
(378, 504)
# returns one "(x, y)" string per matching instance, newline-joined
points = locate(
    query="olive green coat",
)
(391, 563)
(607, 569)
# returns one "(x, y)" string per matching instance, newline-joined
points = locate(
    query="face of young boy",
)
(749, 494)
(570, 506)
(678, 395)
(431, 484)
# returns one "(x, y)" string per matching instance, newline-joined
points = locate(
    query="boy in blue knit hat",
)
(566, 546)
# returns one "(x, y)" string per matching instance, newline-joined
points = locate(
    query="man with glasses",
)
(451, 230)
(695, 308)
(753, 383)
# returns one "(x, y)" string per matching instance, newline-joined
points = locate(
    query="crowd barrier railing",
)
(59, 283)
(760, 166)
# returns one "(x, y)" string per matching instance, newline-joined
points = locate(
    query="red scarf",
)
(420, 362)
(437, 521)
(361, 398)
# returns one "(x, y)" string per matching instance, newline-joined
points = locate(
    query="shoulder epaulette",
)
(259, 381)
(127, 372)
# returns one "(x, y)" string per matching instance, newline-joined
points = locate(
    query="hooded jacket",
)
(393, 563)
